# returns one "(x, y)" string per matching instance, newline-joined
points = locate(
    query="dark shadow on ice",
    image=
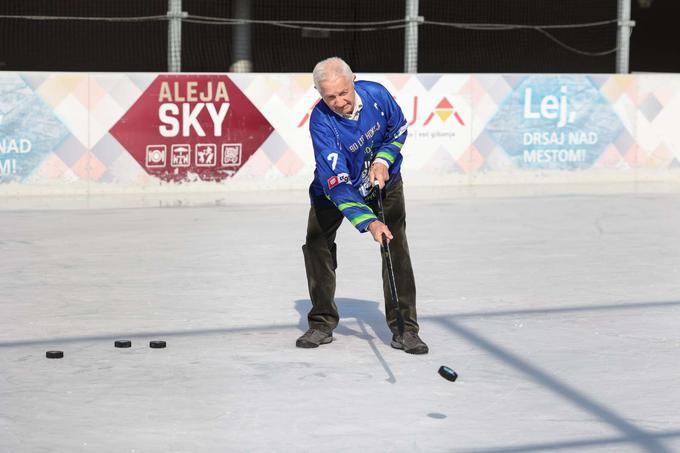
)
(551, 311)
(578, 444)
(390, 376)
(155, 334)
(632, 433)
(363, 311)
(367, 311)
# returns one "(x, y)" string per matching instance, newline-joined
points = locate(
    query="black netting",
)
(448, 49)
(71, 45)
(272, 43)
(275, 48)
(654, 44)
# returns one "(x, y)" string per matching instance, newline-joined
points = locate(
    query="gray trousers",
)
(320, 263)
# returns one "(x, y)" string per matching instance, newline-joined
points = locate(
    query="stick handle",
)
(387, 256)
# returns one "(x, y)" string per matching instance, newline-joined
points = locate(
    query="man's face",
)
(338, 94)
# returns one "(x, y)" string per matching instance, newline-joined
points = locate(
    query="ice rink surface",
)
(559, 311)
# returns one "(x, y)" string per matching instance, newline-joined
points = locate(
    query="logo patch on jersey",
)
(337, 179)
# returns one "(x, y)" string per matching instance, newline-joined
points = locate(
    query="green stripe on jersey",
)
(351, 204)
(386, 156)
(358, 219)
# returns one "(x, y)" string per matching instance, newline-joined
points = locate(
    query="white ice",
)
(558, 309)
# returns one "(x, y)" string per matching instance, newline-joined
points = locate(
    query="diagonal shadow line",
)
(639, 436)
(390, 376)
(548, 311)
(581, 443)
(227, 330)
(130, 335)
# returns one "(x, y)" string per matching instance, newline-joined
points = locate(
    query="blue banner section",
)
(29, 131)
(555, 122)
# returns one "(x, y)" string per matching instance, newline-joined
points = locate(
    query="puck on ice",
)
(447, 373)
(54, 354)
(157, 344)
(122, 343)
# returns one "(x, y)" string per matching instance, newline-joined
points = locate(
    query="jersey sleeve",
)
(396, 129)
(334, 175)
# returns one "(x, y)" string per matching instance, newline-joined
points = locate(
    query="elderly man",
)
(357, 133)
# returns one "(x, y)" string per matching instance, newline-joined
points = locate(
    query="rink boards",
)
(81, 133)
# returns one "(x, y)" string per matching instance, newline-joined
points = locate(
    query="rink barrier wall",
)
(101, 133)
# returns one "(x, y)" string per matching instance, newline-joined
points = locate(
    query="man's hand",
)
(378, 172)
(377, 229)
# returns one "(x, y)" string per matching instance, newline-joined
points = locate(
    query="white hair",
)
(330, 68)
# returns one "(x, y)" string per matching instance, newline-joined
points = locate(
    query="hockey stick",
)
(385, 249)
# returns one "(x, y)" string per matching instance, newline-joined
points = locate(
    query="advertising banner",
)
(556, 122)
(29, 129)
(127, 131)
(184, 125)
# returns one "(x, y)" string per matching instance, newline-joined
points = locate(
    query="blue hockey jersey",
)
(345, 148)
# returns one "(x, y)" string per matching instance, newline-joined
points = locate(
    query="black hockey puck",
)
(157, 344)
(122, 343)
(54, 354)
(447, 373)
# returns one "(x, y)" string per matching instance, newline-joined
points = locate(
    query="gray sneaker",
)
(410, 342)
(313, 338)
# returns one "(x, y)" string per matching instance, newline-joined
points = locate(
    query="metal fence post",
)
(175, 16)
(625, 25)
(241, 38)
(411, 37)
